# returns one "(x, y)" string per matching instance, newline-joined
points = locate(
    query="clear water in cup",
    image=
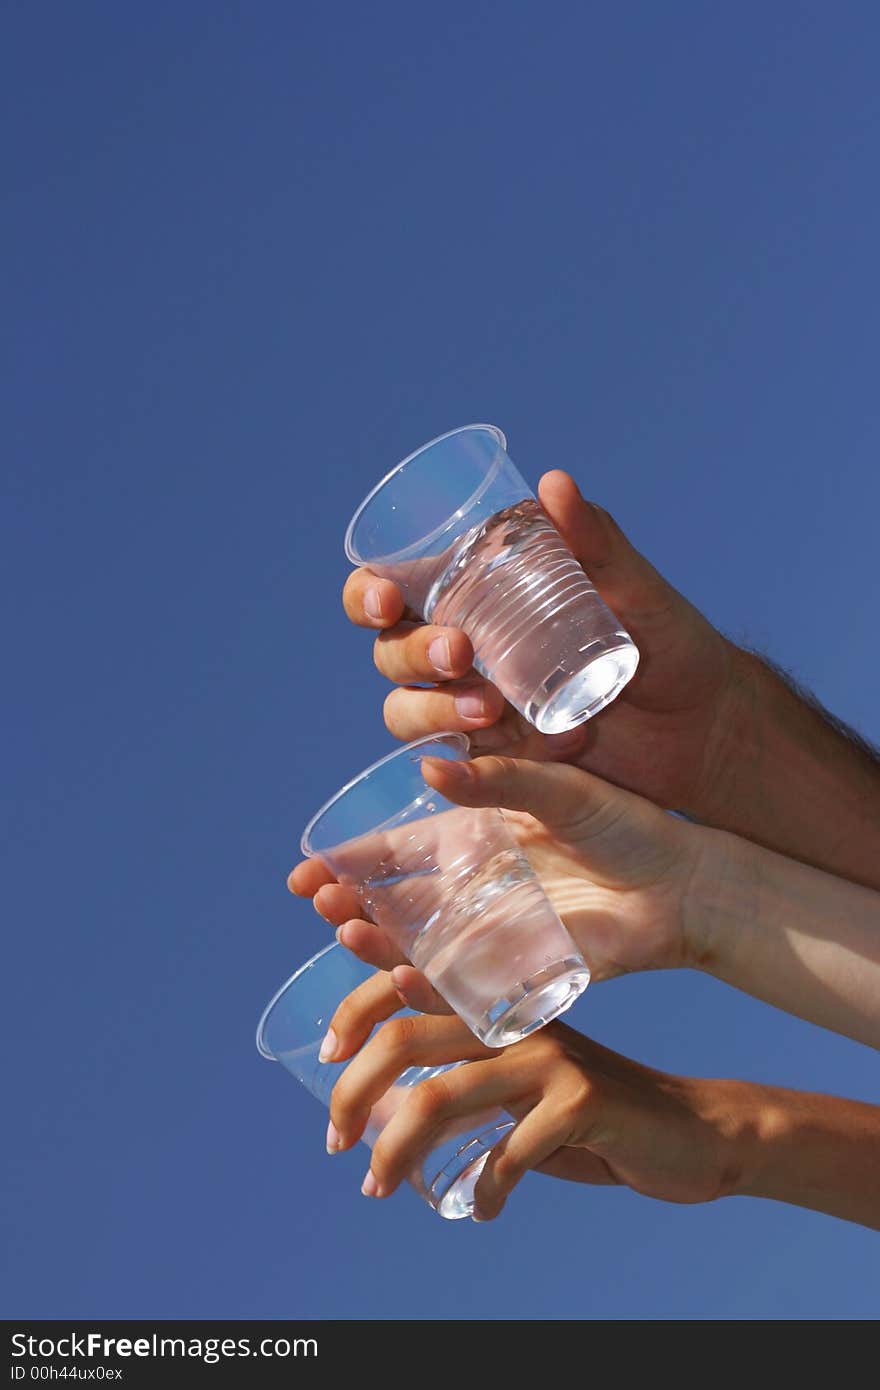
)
(538, 626)
(478, 923)
(446, 1175)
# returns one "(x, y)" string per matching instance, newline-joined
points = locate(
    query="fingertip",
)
(382, 604)
(557, 478)
(461, 651)
(416, 991)
(561, 497)
(370, 601)
(578, 521)
(369, 943)
(347, 936)
(402, 977)
(295, 879)
(446, 770)
(319, 903)
(307, 877)
(485, 1211)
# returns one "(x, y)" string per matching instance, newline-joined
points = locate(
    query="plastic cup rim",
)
(406, 550)
(282, 989)
(451, 736)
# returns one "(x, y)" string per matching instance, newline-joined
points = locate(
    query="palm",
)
(621, 924)
(654, 1138)
(654, 739)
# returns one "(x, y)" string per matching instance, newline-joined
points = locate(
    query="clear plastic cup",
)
(451, 887)
(463, 535)
(290, 1031)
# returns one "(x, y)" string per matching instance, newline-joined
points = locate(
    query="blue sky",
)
(254, 255)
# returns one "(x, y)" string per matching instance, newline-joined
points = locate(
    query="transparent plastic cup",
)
(290, 1031)
(461, 533)
(451, 887)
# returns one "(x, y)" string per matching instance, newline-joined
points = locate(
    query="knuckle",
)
(578, 1097)
(398, 1035)
(498, 765)
(430, 1098)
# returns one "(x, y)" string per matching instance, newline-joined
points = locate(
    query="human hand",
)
(584, 1113)
(639, 889)
(703, 727)
(665, 734)
(617, 870)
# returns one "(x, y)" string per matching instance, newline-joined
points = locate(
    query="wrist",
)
(756, 1127)
(720, 904)
(736, 1114)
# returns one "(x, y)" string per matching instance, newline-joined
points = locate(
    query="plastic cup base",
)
(457, 1200)
(534, 1002)
(585, 693)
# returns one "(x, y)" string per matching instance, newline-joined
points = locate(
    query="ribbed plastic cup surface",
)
(458, 529)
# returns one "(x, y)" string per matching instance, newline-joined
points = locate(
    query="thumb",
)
(561, 796)
(626, 580)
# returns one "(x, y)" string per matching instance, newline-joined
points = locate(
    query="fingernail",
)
(340, 934)
(369, 1186)
(439, 655)
(475, 1216)
(332, 1139)
(470, 704)
(328, 1047)
(373, 603)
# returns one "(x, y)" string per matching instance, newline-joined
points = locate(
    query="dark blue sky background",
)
(253, 255)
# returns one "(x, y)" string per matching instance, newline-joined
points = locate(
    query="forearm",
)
(792, 935)
(809, 1150)
(781, 774)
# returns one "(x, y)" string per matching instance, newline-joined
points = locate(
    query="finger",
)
(472, 704)
(435, 1107)
(539, 1134)
(412, 1040)
(415, 652)
(417, 992)
(625, 578)
(369, 943)
(357, 1015)
(561, 796)
(370, 601)
(308, 877)
(337, 903)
